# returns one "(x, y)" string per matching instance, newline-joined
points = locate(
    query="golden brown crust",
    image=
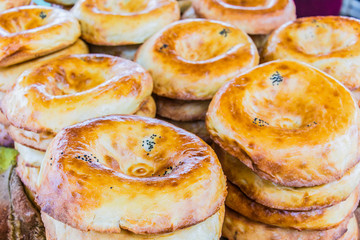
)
(147, 108)
(74, 88)
(9, 75)
(210, 229)
(7, 4)
(305, 142)
(112, 23)
(38, 141)
(26, 30)
(330, 43)
(180, 110)
(321, 219)
(151, 178)
(127, 51)
(254, 17)
(237, 227)
(287, 198)
(191, 59)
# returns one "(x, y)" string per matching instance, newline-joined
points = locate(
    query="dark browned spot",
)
(112, 163)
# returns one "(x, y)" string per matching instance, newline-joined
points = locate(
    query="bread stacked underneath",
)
(25, 36)
(129, 177)
(65, 91)
(119, 27)
(287, 138)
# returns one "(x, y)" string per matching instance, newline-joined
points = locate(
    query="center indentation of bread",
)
(137, 155)
(320, 38)
(25, 19)
(75, 82)
(280, 106)
(71, 77)
(204, 44)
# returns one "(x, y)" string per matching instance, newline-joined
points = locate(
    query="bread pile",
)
(189, 61)
(55, 95)
(331, 44)
(291, 158)
(96, 164)
(119, 27)
(258, 18)
(152, 181)
(19, 44)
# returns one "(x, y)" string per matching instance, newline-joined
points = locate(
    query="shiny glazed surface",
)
(74, 88)
(210, 229)
(254, 17)
(330, 43)
(288, 198)
(127, 172)
(284, 117)
(320, 219)
(25, 33)
(114, 22)
(9, 75)
(191, 59)
(237, 227)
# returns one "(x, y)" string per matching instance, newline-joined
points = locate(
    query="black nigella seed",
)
(110, 187)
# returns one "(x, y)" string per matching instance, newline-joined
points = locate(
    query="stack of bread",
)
(130, 177)
(189, 61)
(66, 91)
(330, 43)
(119, 27)
(258, 18)
(21, 46)
(290, 156)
